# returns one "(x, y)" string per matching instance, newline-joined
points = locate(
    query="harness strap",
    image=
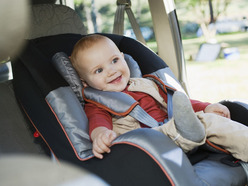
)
(135, 26)
(169, 90)
(143, 117)
(169, 103)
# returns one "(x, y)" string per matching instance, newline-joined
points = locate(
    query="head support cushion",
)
(63, 65)
(133, 66)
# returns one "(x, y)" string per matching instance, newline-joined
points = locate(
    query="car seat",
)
(139, 157)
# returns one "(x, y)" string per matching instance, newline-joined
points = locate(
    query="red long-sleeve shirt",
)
(99, 117)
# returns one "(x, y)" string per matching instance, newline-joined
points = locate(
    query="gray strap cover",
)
(168, 78)
(119, 102)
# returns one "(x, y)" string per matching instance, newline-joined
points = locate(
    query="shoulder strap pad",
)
(117, 103)
(168, 78)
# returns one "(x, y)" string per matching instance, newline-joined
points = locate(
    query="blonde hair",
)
(84, 43)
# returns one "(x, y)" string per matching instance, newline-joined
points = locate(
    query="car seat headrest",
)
(53, 19)
(63, 65)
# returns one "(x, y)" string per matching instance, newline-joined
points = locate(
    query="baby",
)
(102, 66)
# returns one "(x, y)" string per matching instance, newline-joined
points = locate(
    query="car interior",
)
(42, 110)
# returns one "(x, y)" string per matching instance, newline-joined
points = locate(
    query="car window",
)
(5, 71)
(98, 17)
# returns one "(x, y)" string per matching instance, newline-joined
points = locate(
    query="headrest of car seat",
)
(63, 65)
(52, 19)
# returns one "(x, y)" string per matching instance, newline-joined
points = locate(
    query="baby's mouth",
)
(116, 80)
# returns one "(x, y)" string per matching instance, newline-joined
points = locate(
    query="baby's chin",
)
(115, 88)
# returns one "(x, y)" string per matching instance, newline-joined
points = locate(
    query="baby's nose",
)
(111, 71)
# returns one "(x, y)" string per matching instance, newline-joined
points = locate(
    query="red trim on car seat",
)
(216, 147)
(38, 132)
(165, 172)
(75, 151)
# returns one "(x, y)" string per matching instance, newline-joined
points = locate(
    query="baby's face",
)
(103, 67)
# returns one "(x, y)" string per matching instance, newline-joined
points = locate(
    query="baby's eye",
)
(115, 60)
(99, 70)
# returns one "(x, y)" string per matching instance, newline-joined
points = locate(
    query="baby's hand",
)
(219, 109)
(102, 138)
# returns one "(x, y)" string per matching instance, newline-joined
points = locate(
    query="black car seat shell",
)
(139, 157)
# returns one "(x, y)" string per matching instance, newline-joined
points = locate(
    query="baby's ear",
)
(122, 54)
(84, 83)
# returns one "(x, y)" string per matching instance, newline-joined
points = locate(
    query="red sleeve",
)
(97, 117)
(198, 105)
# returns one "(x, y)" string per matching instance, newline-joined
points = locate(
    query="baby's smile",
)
(116, 80)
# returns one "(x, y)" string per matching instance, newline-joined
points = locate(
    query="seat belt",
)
(119, 20)
(142, 116)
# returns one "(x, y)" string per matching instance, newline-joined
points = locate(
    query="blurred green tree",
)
(87, 11)
(207, 12)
